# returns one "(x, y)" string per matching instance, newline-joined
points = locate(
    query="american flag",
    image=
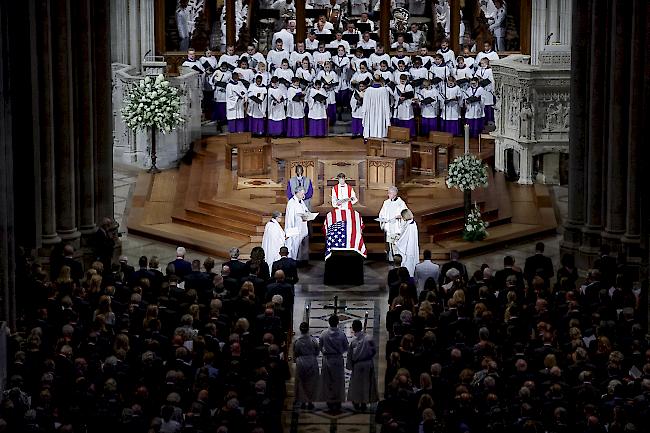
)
(343, 231)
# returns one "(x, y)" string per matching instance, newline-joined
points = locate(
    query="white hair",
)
(276, 214)
(392, 188)
(180, 252)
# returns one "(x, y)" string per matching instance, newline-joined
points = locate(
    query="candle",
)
(466, 138)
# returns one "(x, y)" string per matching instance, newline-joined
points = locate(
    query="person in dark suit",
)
(538, 264)
(158, 277)
(181, 266)
(76, 270)
(141, 273)
(287, 265)
(453, 263)
(231, 285)
(126, 269)
(280, 287)
(198, 280)
(606, 264)
(104, 243)
(508, 269)
(393, 276)
(258, 283)
(237, 268)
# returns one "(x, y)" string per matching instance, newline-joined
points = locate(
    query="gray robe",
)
(305, 352)
(363, 381)
(333, 344)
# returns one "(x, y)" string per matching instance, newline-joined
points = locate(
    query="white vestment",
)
(236, 95)
(272, 241)
(389, 211)
(408, 245)
(376, 112)
(342, 192)
(295, 207)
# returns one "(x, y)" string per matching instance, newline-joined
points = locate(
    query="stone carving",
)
(526, 121)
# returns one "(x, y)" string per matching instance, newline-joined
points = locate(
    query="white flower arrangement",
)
(475, 227)
(152, 103)
(467, 172)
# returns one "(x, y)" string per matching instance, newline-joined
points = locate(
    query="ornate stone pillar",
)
(134, 33)
(66, 218)
(525, 166)
(538, 30)
(596, 141)
(44, 48)
(619, 64)
(580, 61)
(146, 34)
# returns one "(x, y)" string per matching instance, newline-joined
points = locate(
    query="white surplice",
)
(292, 218)
(408, 245)
(236, 95)
(389, 211)
(376, 112)
(272, 241)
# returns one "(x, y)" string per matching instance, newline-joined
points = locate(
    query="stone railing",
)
(132, 148)
(532, 114)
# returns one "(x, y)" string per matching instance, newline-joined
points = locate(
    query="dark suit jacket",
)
(452, 264)
(284, 289)
(141, 273)
(500, 279)
(289, 267)
(541, 263)
(103, 246)
(181, 267)
(237, 268)
(76, 270)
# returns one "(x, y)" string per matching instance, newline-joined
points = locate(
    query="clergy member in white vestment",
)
(343, 195)
(273, 239)
(236, 96)
(391, 212)
(298, 245)
(333, 344)
(361, 360)
(408, 244)
(376, 110)
(305, 352)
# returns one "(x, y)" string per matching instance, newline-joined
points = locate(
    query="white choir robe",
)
(272, 240)
(335, 44)
(431, 110)
(486, 74)
(397, 74)
(311, 45)
(321, 58)
(376, 112)
(275, 56)
(329, 78)
(342, 68)
(306, 74)
(254, 59)
(356, 106)
(220, 92)
(245, 74)
(359, 7)
(386, 75)
(258, 111)
(448, 56)
(317, 110)
(395, 60)
(295, 109)
(408, 246)
(441, 72)
(470, 62)
(287, 74)
(226, 58)
(463, 73)
(475, 110)
(363, 380)
(193, 65)
(210, 60)
(359, 77)
(370, 44)
(278, 100)
(389, 211)
(287, 39)
(451, 110)
(340, 192)
(376, 59)
(266, 78)
(356, 61)
(296, 59)
(403, 109)
(491, 56)
(419, 73)
(235, 98)
(298, 245)
(427, 62)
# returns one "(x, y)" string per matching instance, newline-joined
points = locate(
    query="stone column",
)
(66, 218)
(384, 24)
(231, 30)
(553, 20)
(635, 129)
(454, 25)
(525, 166)
(565, 22)
(120, 31)
(44, 48)
(146, 34)
(538, 30)
(580, 61)
(619, 64)
(596, 141)
(134, 33)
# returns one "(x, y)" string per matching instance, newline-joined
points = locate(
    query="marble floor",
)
(353, 302)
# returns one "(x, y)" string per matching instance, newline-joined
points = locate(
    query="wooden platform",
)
(202, 206)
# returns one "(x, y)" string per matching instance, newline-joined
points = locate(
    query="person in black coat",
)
(508, 269)
(280, 287)
(287, 265)
(141, 273)
(237, 268)
(181, 266)
(76, 270)
(538, 264)
(453, 263)
(104, 242)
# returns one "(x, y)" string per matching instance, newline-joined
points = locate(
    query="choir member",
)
(220, 79)
(486, 80)
(469, 60)
(230, 58)
(487, 52)
(330, 83)
(295, 60)
(295, 110)
(357, 59)
(447, 54)
(343, 195)
(286, 36)
(273, 239)
(311, 43)
(326, 24)
(462, 73)
(403, 105)
(418, 74)
(257, 106)
(360, 7)
(253, 56)
(366, 43)
(261, 71)
(399, 71)
(364, 19)
(390, 216)
(208, 61)
(361, 76)
(400, 43)
(377, 57)
(439, 72)
(306, 73)
(277, 114)
(408, 243)
(284, 74)
(236, 97)
(429, 107)
(427, 60)
(401, 55)
(295, 217)
(321, 29)
(417, 36)
(275, 56)
(451, 97)
(321, 56)
(376, 109)
(341, 63)
(474, 99)
(338, 42)
(191, 62)
(385, 73)
(246, 75)
(317, 100)
(356, 104)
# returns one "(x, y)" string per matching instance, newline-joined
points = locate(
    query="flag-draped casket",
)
(343, 231)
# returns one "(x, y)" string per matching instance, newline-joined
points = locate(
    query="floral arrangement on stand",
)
(152, 104)
(475, 227)
(466, 173)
